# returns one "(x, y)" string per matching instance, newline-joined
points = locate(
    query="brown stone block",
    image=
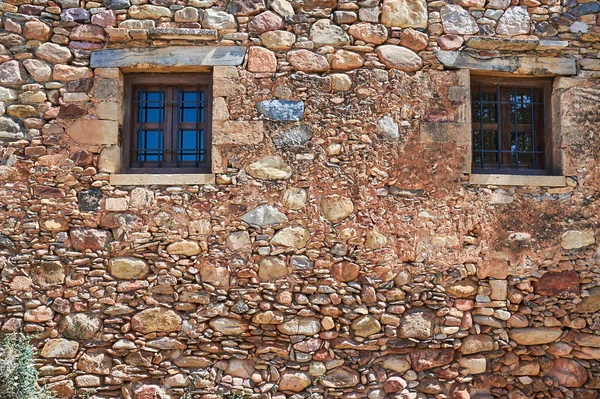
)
(238, 132)
(559, 283)
(425, 359)
(94, 131)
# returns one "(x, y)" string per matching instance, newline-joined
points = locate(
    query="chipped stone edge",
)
(164, 180)
(517, 180)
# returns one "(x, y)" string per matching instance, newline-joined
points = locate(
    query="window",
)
(511, 126)
(167, 126)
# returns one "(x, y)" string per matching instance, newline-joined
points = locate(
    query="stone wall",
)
(339, 249)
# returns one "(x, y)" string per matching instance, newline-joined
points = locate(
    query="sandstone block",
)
(294, 198)
(425, 359)
(54, 53)
(48, 274)
(269, 168)
(95, 361)
(94, 131)
(336, 208)
(228, 326)
(291, 237)
(370, 33)
(307, 61)
(399, 58)
(238, 241)
(219, 20)
(38, 69)
(559, 283)
(344, 60)
(300, 326)
(66, 73)
(156, 320)
(185, 247)
(324, 33)
(477, 343)
(246, 8)
(261, 60)
(147, 11)
(294, 381)
(128, 268)
(278, 40)
(574, 239)
(92, 239)
(265, 22)
(341, 377)
(404, 13)
(36, 30)
(345, 271)
(79, 326)
(475, 364)
(417, 323)
(60, 348)
(365, 325)
(12, 74)
(568, 373)
(535, 336)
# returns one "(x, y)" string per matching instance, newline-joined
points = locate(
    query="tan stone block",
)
(107, 72)
(68, 73)
(220, 110)
(227, 87)
(238, 132)
(109, 160)
(94, 131)
(225, 72)
(111, 111)
(115, 204)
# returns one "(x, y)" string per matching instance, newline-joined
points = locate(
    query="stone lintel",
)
(182, 34)
(180, 56)
(523, 65)
(518, 180)
(165, 180)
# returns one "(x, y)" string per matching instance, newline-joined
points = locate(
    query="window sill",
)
(518, 180)
(165, 180)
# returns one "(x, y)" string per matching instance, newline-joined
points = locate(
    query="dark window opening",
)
(167, 123)
(509, 126)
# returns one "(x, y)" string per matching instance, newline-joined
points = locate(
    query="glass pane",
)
(488, 113)
(490, 141)
(191, 106)
(151, 106)
(475, 93)
(525, 160)
(191, 145)
(489, 93)
(476, 111)
(525, 141)
(491, 160)
(523, 113)
(476, 140)
(150, 145)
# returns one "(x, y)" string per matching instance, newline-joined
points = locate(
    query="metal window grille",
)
(508, 129)
(169, 125)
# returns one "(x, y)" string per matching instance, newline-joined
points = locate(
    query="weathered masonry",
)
(315, 199)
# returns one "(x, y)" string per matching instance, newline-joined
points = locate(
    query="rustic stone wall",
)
(340, 250)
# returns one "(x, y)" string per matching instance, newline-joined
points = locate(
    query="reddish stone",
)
(261, 60)
(450, 42)
(585, 393)
(82, 158)
(70, 111)
(48, 192)
(485, 381)
(88, 33)
(307, 61)
(414, 39)
(425, 359)
(85, 45)
(394, 384)
(245, 7)
(568, 373)
(93, 239)
(265, 22)
(345, 271)
(29, 9)
(149, 392)
(559, 283)
(105, 18)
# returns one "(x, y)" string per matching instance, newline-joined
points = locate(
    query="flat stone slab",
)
(182, 34)
(169, 56)
(502, 43)
(524, 65)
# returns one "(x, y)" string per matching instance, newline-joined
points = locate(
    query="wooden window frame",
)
(171, 123)
(550, 146)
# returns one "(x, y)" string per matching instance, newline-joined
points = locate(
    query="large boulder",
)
(156, 320)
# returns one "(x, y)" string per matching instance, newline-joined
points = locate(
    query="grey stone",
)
(456, 20)
(264, 215)
(269, 168)
(301, 262)
(246, 7)
(281, 110)
(89, 200)
(117, 4)
(12, 74)
(324, 33)
(75, 15)
(10, 130)
(219, 20)
(388, 128)
(514, 21)
(79, 326)
(182, 34)
(11, 39)
(525, 65)
(7, 94)
(169, 56)
(296, 135)
(586, 8)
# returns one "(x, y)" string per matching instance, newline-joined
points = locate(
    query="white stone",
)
(515, 21)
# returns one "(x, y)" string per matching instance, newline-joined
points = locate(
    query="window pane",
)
(151, 106)
(191, 106)
(191, 145)
(490, 141)
(150, 145)
(476, 140)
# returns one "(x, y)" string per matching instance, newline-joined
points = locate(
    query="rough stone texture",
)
(404, 13)
(399, 58)
(370, 266)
